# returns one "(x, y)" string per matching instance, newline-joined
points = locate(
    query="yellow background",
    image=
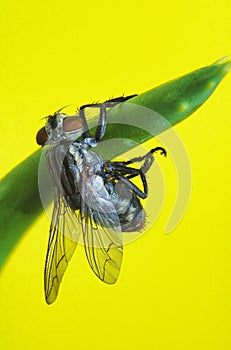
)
(174, 291)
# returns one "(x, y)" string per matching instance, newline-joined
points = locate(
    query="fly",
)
(92, 196)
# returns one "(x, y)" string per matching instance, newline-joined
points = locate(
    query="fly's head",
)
(59, 127)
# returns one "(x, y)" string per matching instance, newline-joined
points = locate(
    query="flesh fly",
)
(93, 197)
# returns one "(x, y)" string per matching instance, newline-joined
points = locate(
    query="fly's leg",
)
(147, 158)
(132, 186)
(101, 128)
(86, 133)
(120, 99)
(121, 172)
(163, 151)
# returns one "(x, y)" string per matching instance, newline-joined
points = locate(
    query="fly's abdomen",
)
(128, 206)
(133, 219)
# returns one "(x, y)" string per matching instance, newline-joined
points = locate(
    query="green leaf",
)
(176, 100)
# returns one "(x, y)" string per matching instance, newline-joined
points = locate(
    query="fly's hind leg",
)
(147, 158)
(118, 171)
(121, 171)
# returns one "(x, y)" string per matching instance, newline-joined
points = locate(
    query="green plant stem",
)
(176, 100)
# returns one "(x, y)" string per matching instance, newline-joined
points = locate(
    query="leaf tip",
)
(225, 62)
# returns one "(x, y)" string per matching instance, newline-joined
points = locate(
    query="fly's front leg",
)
(117, 100)
(101, 128)
(84, 120)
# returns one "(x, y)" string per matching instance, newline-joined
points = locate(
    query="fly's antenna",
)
(59, 110)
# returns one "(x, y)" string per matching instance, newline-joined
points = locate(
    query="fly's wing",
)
(61, 246)
(101, 233)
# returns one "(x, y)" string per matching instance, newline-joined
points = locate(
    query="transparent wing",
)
(63, 239)
(101, 234)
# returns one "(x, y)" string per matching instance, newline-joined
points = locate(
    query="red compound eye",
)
(41, 136)
(72, 124)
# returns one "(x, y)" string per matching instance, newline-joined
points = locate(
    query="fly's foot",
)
(161, 149)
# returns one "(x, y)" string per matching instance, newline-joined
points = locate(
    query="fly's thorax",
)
(93, 162)
(86, 160)
(77, 151)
